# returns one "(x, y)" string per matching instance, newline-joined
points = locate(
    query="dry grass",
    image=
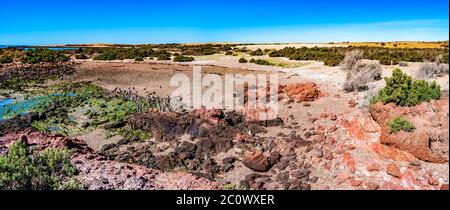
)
(411, 44)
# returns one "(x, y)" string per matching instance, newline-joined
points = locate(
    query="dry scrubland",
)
(346, 119)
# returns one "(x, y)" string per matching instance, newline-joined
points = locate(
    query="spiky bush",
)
(402, 90)
(429, 70)
(350, 60)
(400, 124)
(359, 73)
(47, 170)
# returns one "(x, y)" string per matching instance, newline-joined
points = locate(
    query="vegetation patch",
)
(21, 169)
(182, 58)
(400, 124)
(402, 90)
(44, 55)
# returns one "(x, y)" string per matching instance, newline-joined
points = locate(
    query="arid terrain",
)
(325, 137)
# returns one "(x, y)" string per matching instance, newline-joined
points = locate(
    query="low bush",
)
(228, 53)
(44, 55)
(263, 62)
(429, 70)
(400, 124)
(403, 91)
(252, 60)
(243, 60)
(182, 58)
(163, 56)
(50, 169)
(257, 52)
(139, 59)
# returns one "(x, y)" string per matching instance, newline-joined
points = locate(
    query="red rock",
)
(318, 138)
(351, 147)
(392, 153)
(324, 115)
(349, 162)
(372, 186)
(341, 178)
(374, 167)
(393, 170)
(333, 117)
(352, 103)
(332, 129)
(355, 183)
(243, 138)
(433, 181)
(257, 161)
(391, 186)
(300, 92)
(430, 141)
(444, 187)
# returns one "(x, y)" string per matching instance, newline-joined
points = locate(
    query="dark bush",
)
(81, 56)
(139, 59)
(263, 62)
(182, 58)
(252, 60)
(229, 53)
(403, 91)
(257, 52)
(44, 55)
(243, 60)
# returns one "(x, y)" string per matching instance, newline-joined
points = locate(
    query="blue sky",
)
(132, 21)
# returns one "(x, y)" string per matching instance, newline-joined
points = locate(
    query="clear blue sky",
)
(132, 21)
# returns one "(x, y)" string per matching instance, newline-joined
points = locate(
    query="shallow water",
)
(12, 107)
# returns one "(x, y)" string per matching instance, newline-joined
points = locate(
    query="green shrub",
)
(263, 62)
(400, 124)
(44, 55)
(163, 56)
(403, 91)
(243, 60)
(252, 60)
(182, 58)
(139, 59)
(47, 170)
(257, 52)
(229, 53)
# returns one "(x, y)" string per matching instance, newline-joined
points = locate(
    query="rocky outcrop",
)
(257, 161)
(300, 92)
(429, 141)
